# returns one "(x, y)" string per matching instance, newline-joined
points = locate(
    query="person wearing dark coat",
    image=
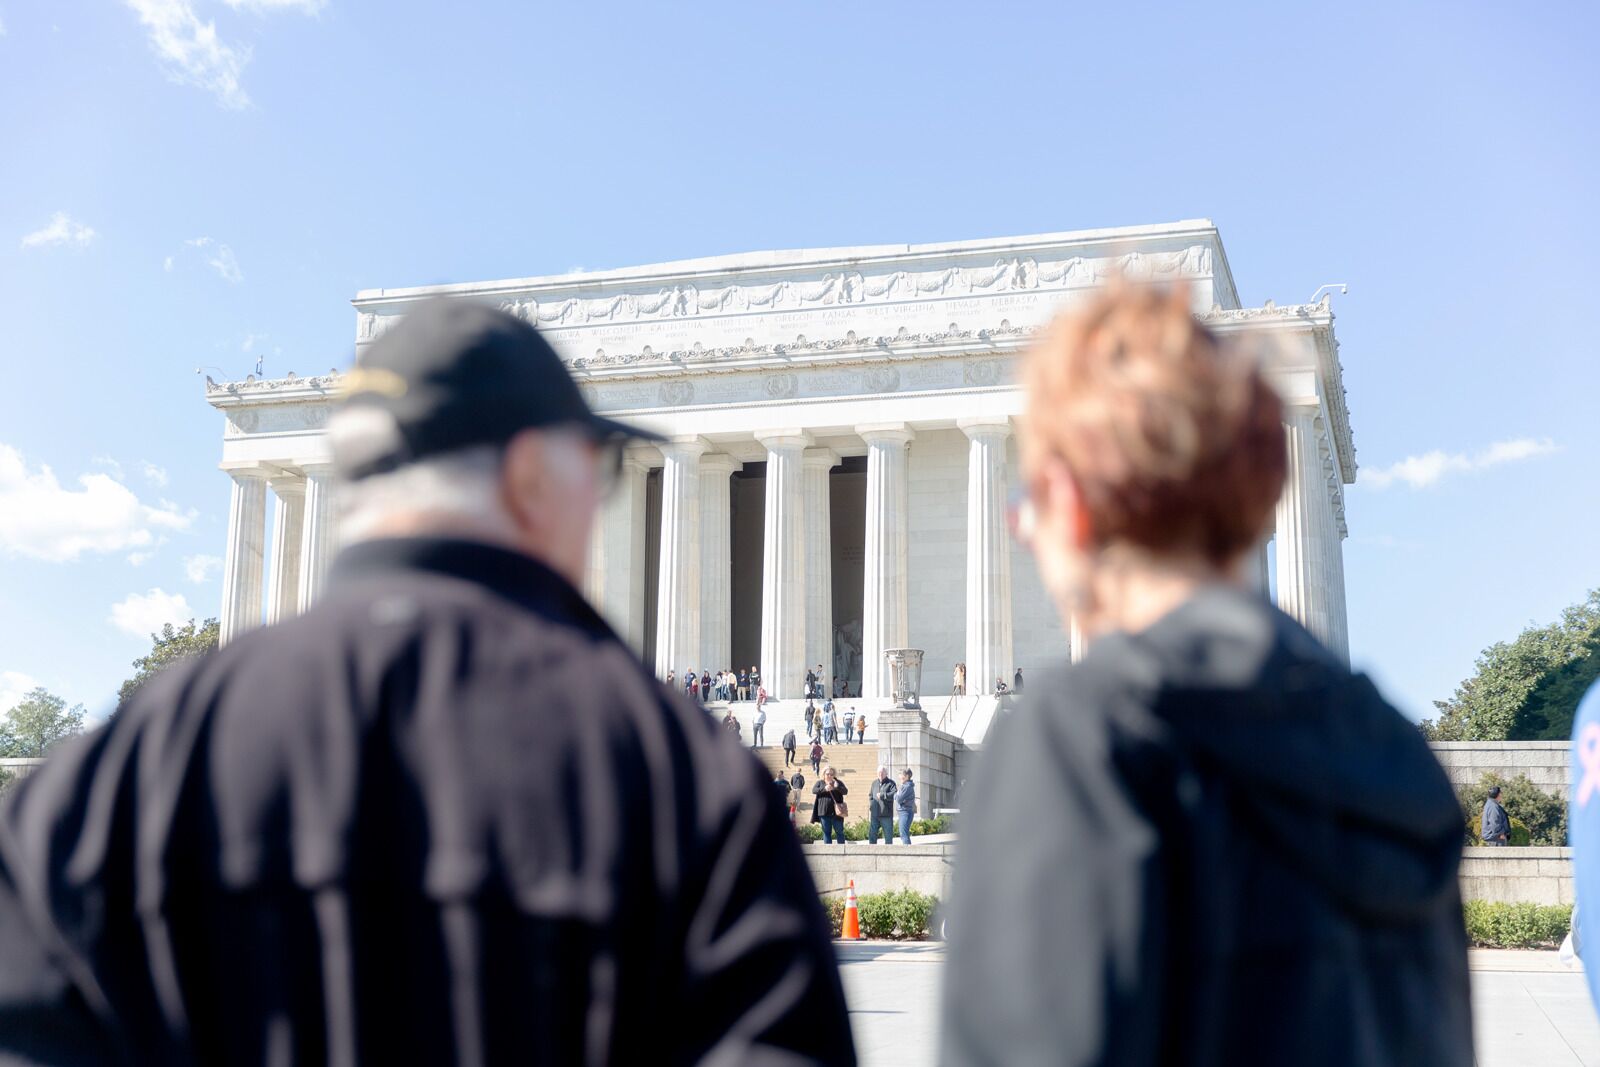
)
(1496, 823)
(1016, 682)
(1260, 864)
(442, 816)
(880, 804)
(829, 806)
(788, 748)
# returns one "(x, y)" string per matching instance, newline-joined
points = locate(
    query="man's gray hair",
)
(463, 484)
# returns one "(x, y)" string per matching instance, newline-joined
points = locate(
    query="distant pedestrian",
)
(880, 807)
(758, 732)
(755, 682)
(788, 748)
(781, 783)
(671, 680)
(861, 728)
(1000, 687)
(849, 723)
(744, 684)
(830, 726)
(905, 805)
(1016, 682)
(811, 714)
(816, 756)
(761, 696)
(811, 684)
(1496, 824)
(829, 808)
(797, 780)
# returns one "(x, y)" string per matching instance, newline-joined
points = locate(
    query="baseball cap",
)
(454, 374)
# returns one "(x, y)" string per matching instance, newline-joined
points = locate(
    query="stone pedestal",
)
(905, 678)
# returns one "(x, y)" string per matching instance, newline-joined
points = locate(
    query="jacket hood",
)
(1316, 761)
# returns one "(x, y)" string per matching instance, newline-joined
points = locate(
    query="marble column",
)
(678, 584)
(716, 562)
(614, 581)
(1302, 524)
(783, 566)
(817, 462)
(317, 534)
(283, 568)
(241, 566)
(989, 630)
(886, 590)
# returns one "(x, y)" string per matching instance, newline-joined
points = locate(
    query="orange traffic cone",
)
(852, 916)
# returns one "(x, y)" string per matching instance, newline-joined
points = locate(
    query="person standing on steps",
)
(744, 684)
(861, 728)
(880, 808)
(811, 714)
(849, 724)
(788, 748)
(1016, 682)
(816, 756)
(958, 680)
(758, 732)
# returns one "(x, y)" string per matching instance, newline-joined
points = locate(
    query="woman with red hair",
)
(1207, 842)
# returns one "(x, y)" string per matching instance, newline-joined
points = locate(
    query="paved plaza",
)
(1529, 1010)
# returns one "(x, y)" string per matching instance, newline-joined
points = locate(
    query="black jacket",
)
(881, 799)
(1259, 864)
(443, 813)
(827, 800)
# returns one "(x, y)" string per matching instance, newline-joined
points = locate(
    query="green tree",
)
(171, 645)
(1527, 689)
(37, 723)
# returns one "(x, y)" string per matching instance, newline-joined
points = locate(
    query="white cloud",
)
(166, 264)
(219, 257)
(190, 51)
(307, 7)
(156, 476)
(1425, 470)
(144, 614)
(62, 229)
(42, 519)
(199, 569)
(14, 685)
(2, 27)
(251, 340)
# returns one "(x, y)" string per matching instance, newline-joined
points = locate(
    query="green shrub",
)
(902, 915)
(1494, 924)
(835, 909)
(1543, 815)
(1518, 837)
(856, 831)
(942, 825)
(810, 832)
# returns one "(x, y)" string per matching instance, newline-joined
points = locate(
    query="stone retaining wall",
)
(1544, 762)
(880, 868)
(1533, 875)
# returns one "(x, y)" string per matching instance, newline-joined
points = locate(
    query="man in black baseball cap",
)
(444, 816)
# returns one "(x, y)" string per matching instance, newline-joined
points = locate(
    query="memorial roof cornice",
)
(784, 261)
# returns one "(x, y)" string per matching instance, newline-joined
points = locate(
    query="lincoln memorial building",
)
(840, 456)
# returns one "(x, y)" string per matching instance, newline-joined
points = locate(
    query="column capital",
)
(886, 433)
(819, 459)
(718, 463)
(639, 459)
(985, 426)
(287, 483)
(312, 468)
(249, 468)
(684, 448)
(783, 438)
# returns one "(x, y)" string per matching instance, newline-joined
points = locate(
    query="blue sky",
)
(195, 183)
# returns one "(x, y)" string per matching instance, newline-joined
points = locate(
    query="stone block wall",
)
(880, 868)
(1534, 875)
(1544, 762)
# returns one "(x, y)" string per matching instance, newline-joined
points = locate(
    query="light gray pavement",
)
(1529, 1009)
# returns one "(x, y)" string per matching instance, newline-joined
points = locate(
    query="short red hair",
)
(1173, 438)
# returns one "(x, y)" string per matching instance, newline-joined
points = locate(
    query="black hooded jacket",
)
(443, 817)
(1238, 852)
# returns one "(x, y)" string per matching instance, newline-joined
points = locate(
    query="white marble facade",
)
(893, 367)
